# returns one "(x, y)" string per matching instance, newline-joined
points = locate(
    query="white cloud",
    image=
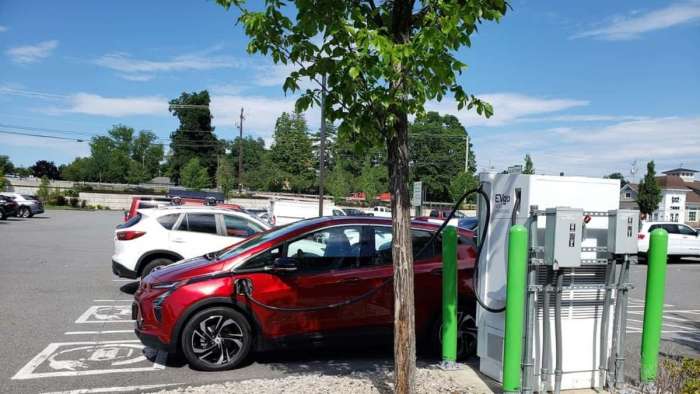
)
(3, 29)
(508, 107)
(582, 118)
(32, 53)
(630, 27)
(92, 104)
(137, 77)
(227, 89)
(137, 69)
(595, 151)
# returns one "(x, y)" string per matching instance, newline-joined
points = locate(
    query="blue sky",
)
(584, 87)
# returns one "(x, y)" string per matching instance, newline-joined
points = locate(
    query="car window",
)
(168, 221)
(382, 245)
(327, 249)
(434, 214)
(337, 212)
(263, 259)
(147, 204)
(671, 228)
(685, 230)
(654, 227)
(240, 227)
(199, 223)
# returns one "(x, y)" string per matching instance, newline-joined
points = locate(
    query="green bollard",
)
(449, 294)
(653, 304)
(515, 307)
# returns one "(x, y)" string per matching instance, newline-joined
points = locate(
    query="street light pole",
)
(322, 146)
(466, 153)
(240, 155)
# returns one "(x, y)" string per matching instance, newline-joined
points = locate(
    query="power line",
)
(41, 136)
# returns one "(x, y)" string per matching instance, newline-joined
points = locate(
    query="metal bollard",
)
(515, 308)
(449, 295)
(653, 304)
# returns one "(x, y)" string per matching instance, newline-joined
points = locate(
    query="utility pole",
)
(240, 154)
(322, 147)
(466, 153)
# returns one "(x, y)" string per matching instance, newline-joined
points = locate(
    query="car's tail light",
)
(129, 235)
(640, 236)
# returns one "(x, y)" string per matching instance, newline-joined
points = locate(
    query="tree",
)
(292, 152)
(438, 153)
(338, 183)
(649, 195)
(253, 157)
(194, 175)
(194, 138)
(529, 167)
(146, 151)
(44, 168)
(78, 170)
(6, 166)
(383, 62)
(137, 173)
(460, 184)
(225, 180)
(44, 192)
(3, 180)
(617, 175)
(100, 152)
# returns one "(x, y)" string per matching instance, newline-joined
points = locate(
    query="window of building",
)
(628, 195)
(675, 199)
(692, 216)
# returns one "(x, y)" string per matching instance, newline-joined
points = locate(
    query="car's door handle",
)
(178, 240)
(437, 271)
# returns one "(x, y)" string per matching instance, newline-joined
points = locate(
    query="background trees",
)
(649, 195)
(194, 138)
(43, 168)
(529, 168)
(194, 176)
(292, 153)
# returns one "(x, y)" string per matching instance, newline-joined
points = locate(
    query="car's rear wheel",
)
(24, 212)
(466, 334)
(153, 264)
(216, 339)
(3, 215)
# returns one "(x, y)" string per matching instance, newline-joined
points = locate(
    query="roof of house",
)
(679, 170)
(676, 182)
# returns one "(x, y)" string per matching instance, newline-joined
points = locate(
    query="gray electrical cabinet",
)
(623, 227)
(562, 237)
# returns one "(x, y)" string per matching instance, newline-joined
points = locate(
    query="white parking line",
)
(123, 280)
(97, 332)
(106, 314)
(115, 389)
(125, 300)
(687, 328)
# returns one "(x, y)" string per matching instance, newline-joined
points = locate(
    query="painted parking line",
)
(688, 329)
(121, 389)
(124, 300)
(97, 332)
(106, 314)
(123, 280)
(62, 359)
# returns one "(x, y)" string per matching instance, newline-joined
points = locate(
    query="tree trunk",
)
(402, 255)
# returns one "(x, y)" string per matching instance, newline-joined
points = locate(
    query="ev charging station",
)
(574, 303)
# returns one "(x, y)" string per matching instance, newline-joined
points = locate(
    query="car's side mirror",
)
(284, 264)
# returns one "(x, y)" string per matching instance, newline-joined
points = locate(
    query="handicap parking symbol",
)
(91, 358)
(106, 314)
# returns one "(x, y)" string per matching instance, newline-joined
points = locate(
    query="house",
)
(680, 197)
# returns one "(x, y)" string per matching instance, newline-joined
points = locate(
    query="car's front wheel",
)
(216, 339)
(153, 264)
(466, 334)
(24, 212)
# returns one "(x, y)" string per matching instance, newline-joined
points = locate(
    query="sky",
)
(586, 88)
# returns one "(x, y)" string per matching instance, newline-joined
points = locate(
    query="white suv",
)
(27, 206)
(683, 241)
(162, 236)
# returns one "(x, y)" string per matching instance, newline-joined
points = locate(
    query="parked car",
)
(147, 202)
(438, 216)
(316, 279)
(381, 211)
(350, 212)
(27, 205)
(162, 236)
(683, 241)
(8, 207)
(468, 222)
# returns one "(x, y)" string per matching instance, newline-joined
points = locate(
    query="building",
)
(680, 197)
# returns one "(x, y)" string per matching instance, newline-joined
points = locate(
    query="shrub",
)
(60, 200)
(678, 375)
(74, 201)
(83, 203)
(98, 206)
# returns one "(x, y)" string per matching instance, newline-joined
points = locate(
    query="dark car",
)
(8, 207)
(468, 222)
(27, 205)
(311, 281)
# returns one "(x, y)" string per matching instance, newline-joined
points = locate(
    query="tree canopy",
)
(529, 167)
(649, 195)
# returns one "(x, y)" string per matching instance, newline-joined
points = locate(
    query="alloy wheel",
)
(217, 340)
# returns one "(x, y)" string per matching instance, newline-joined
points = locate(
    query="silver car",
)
(27, 205)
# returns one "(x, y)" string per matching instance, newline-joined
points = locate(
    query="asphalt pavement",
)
(65, 318)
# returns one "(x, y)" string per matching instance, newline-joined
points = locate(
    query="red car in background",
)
(146, 202)
(316, 279)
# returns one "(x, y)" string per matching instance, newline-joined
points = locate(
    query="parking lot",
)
(65, 318)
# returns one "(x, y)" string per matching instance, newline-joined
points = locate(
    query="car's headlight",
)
(166, 285)
(158, 302)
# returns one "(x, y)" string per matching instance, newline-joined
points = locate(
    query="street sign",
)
(417, 197)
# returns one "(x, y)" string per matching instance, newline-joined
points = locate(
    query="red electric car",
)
(309, 281)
